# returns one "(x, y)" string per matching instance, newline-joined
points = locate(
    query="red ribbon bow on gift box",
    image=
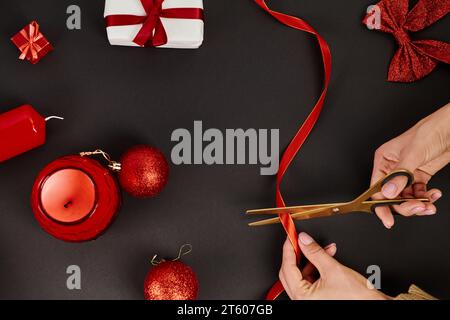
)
(152, 32)
(415, 58)
(31, 43)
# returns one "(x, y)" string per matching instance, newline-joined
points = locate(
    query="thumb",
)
(409, 161)
(316, 254)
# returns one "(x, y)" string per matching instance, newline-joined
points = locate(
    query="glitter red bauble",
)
(171, 280)
(144, 171)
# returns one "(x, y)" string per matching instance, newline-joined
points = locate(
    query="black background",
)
(251, 72)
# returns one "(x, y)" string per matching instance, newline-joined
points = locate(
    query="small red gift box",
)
(32, 43)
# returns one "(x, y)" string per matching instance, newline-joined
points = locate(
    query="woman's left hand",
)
(333, 282)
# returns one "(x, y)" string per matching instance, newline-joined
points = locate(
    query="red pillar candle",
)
(75, 198)
(21, 129)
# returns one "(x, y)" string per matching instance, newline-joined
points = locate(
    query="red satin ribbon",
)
(152, 32)
(301, 135)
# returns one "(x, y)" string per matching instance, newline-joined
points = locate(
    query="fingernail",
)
(429, 212)
(389, 189)
(388, 225)
(417, 210)
(331, 250)
(305, 238)
(330, 245)
(436, 195)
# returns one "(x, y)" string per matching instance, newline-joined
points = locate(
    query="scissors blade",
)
(328, 210)
(292, 209)
(299, 209)
(313, 213)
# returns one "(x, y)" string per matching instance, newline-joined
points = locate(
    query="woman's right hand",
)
(424, 150)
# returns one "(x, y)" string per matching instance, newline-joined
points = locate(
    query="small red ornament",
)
(171, 280)
(144, 171)
(75, 198)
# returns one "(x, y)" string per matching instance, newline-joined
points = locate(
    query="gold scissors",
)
(361, 204)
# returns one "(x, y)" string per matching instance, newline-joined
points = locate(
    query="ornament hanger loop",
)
(156, 260)
(113, 165)
(184, 249)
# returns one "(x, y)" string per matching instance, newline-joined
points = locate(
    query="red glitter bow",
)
(415, 58)
(152, 32)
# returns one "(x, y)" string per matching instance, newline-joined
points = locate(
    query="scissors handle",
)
(376, 188)
(399, 173)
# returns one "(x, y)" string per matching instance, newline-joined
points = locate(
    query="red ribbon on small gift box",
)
(31, 43)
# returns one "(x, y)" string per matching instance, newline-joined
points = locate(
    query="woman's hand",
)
(424, 150)
(335, 281)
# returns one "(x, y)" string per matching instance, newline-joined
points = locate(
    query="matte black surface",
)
(251, 72)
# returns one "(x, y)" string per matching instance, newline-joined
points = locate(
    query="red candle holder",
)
(75, 198)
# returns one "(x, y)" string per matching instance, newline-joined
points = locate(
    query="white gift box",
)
(181, 33)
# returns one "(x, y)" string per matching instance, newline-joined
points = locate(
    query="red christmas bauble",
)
(144, 171)
(171, 280)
